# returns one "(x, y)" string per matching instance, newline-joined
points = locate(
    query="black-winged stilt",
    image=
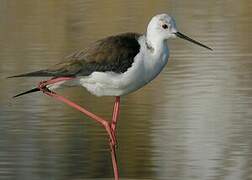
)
(113, 66)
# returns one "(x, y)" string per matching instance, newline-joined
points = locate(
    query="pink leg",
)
(109, 127)
(116, 112)
(115, 117)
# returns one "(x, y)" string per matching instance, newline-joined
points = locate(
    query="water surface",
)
(193, 122)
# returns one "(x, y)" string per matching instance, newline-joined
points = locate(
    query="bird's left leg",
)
(110, 127)
(107, 125)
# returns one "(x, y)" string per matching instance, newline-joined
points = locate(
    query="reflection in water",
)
(192, 122)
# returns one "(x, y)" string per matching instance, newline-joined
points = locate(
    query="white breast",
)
(145, 68)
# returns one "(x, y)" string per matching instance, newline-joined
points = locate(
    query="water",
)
(193, 122)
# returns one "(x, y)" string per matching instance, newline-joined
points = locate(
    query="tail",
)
(41, 73)
(27, 92)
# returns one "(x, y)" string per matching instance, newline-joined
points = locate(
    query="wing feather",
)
(114, 53)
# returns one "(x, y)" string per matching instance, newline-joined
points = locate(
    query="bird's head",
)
(164, 27)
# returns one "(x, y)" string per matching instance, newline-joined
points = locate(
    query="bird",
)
(115, 66)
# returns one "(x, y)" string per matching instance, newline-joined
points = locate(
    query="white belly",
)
(138, 75)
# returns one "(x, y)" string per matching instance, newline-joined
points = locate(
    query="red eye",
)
(164, 26)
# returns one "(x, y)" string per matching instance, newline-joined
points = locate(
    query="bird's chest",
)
(145, 69)
(153, 65)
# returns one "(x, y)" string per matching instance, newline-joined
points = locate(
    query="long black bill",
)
(182, 36)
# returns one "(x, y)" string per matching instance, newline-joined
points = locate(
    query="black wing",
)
(114, 53)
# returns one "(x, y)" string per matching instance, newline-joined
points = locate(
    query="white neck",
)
(156, 42)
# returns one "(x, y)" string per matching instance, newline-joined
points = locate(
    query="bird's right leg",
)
(107, 125)
(115, 115)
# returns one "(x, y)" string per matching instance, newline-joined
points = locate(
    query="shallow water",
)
(193, 122)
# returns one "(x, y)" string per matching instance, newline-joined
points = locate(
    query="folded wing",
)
(114, 53)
